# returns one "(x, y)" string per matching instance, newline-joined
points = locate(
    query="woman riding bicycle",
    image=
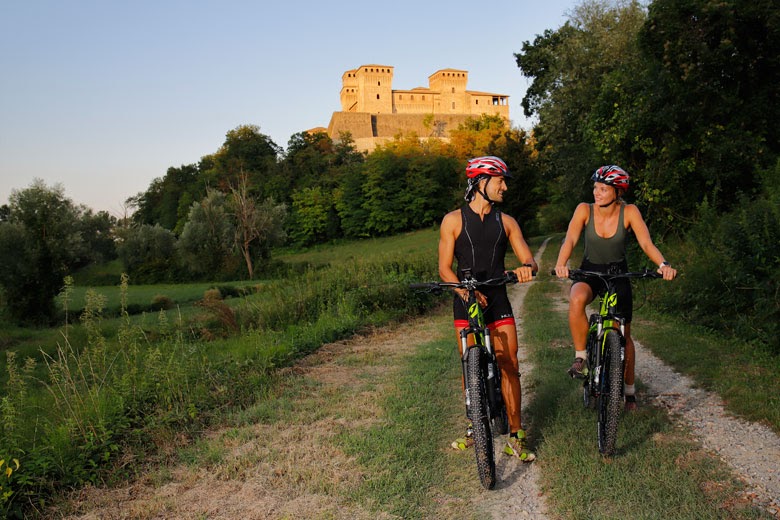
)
(606, 224)
(477, 236)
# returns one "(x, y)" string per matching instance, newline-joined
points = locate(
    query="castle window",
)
(423, 97)
(378, 83)
(476, 102)
(377, 96)
(412, 97)
(400, 97)
(453, 90)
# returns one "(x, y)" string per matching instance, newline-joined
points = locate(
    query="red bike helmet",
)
(487, 165)
(612, 175)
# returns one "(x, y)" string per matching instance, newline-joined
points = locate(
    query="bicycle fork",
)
(493, 384)
(600, 326)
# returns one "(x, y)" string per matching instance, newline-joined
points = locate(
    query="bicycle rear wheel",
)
(476, 389)
(609, 397)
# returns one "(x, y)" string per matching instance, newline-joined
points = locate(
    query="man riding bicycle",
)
(606, 224)
(477, 236)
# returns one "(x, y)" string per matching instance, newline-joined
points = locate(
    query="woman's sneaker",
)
(630, 403)
(466, 442)
(515, 446)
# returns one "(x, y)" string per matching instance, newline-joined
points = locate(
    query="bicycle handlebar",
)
(579, 274)
(509, 277)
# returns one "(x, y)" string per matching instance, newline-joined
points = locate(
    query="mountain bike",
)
(606, 356)
(485, 406)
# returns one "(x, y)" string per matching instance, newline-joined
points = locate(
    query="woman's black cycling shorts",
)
(625, 297)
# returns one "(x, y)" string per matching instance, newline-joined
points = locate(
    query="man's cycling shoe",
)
(578, 369)
(515, 446)
(466, 442)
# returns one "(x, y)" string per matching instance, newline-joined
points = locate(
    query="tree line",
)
(680, 93)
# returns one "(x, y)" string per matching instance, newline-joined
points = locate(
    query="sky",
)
(101, 97)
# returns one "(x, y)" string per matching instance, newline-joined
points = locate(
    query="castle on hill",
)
(374, 113)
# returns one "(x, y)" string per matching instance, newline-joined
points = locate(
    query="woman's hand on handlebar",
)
(562, 271)
(667, 271)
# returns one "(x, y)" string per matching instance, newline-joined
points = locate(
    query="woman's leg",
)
(628, 374)
(580, 296)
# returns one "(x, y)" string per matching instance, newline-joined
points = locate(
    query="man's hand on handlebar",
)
(524, 273)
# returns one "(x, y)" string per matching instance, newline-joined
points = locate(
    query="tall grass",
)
(102, 396)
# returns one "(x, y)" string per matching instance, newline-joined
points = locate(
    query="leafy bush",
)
(161, 303)
(148, 254)
(731, 268)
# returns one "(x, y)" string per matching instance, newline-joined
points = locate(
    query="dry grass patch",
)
(288, 467)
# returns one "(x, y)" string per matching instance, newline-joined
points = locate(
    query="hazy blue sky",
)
(103, 96)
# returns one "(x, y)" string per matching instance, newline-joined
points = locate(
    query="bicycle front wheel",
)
(476, 388)
(610, 396)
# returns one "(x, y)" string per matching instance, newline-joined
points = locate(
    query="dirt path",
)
(751, 449)
(517, 493)
(268, 470)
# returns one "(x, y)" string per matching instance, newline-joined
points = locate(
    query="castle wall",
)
(356, 123)
(419, 101)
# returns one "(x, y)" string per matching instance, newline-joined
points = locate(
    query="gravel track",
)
(751, 449)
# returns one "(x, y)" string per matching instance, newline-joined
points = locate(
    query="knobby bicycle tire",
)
(501, 422)
(609, 405)
(480, 418)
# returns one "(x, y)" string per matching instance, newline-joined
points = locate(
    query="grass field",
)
(188, 367)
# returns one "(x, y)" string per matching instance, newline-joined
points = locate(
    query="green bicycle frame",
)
(604, 322)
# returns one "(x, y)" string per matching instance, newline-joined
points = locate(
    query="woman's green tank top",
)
(600, 250)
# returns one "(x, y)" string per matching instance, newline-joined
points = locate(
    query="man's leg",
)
(505, 346)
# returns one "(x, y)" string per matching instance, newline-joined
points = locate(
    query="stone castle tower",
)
(374, 113)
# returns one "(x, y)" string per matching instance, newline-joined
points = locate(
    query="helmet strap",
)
(483, 192)
(609, 204)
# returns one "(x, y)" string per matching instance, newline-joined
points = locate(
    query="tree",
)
(40, 243)
(313, 216)
(97, 231)
(167, 200)
(206, 242)
(257, 226)
(245, 151)
(712, 108)
(148, 253)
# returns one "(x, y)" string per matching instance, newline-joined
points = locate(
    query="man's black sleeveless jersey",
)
(481, 245)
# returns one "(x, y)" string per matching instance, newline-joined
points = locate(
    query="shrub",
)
(160, 302)
(731, 269)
